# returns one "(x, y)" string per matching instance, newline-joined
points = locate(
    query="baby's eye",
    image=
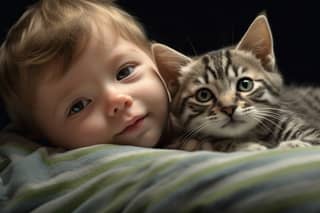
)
(78, 106)
(125, 72)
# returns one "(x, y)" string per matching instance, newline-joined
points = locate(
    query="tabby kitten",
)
(234, 98)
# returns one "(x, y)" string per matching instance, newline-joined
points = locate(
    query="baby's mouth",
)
(132, 125)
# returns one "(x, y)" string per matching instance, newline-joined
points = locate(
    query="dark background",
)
(194, 27)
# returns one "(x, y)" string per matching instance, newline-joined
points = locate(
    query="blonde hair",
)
(51, 30)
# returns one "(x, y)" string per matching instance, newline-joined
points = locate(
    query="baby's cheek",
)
(90, 131)
(96, 128)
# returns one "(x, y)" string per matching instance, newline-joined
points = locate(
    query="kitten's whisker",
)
(272, 113)
(189, 134)
(275, 109)
(185, 139)
(269, 114)
(270, 117)
(192, 132)
(263, 125)
(280, 110)
(192, 46)
(265, 118)
(289, 101)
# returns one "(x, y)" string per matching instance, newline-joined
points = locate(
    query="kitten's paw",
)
(292, 144)
(249, 147)
(189, 145)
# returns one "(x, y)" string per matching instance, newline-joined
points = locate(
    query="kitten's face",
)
(225, 94)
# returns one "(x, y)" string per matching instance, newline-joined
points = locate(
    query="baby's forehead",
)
(98, 42)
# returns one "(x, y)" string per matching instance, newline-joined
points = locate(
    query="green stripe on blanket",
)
(112, 178)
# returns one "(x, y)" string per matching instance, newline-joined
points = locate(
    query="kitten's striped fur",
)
(234, 99)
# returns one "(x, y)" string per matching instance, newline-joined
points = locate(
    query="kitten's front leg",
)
(250, 146)
(191, 144)
(306, 138)
(234, 146)
(292, 144)
(205, 144)
(298, 133)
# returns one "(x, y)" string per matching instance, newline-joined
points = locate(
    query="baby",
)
(82, 72)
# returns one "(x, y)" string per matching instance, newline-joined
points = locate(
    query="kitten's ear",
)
(258, 40)
(169, 62)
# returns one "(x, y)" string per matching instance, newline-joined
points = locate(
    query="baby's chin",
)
(148, 140)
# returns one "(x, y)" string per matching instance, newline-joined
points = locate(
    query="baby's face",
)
(111, 94)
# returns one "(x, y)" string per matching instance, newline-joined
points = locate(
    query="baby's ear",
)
(169, 62)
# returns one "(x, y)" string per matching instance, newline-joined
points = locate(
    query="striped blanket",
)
(112, 178)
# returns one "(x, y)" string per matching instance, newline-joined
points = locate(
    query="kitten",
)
(234, 98)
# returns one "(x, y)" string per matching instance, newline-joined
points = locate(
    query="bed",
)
(114, 178)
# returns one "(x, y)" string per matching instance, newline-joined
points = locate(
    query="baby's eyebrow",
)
(62, 101)
(62, 91)
(117, 55)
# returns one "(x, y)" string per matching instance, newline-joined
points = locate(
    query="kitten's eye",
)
(125, 72)
(204, 95)
(78, 106)
(245, 84)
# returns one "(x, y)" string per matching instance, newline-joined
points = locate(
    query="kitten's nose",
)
(229, 110)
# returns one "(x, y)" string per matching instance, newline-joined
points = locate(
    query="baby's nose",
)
(118, 103)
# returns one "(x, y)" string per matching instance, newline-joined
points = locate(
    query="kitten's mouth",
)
(232, 123)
